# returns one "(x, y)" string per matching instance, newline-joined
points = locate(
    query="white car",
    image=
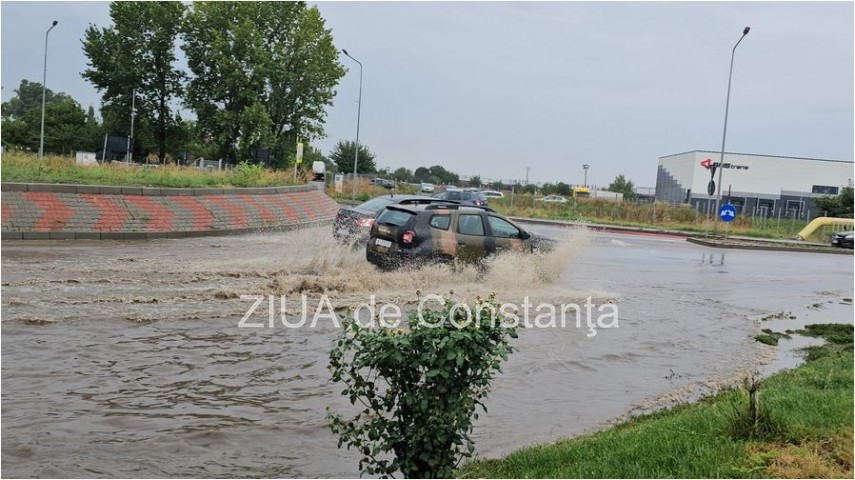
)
(553, 199)
(493, 194)
(427, 187)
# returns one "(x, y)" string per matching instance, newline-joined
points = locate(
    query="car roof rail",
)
(428, 200)
(457, 206)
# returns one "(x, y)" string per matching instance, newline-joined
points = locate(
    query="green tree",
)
(422, 174)
(622, 185)
(92, 134)
(475, 181)
(548, 188)
(137, 53)
(403, 175)
(65, 120)
(264, 73)
(837, 206)
(28, 96)
(343, 153)
(498, 185)
(520, 188)
(441, 175)
(563, 189)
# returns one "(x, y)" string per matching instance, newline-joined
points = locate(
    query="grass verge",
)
(27, 168)
(663, 216)
(811, 407)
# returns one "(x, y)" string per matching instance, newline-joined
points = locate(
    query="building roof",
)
(757, 155)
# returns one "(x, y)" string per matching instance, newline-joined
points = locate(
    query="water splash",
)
(342, 272)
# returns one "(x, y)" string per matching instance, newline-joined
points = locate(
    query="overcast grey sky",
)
(490, 88)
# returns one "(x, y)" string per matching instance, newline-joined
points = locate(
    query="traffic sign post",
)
(727, 213)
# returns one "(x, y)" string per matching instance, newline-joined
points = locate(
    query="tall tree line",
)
(261, 74)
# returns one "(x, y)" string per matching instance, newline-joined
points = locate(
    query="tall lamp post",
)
(586, 166)
(724, 135)
(129, 156)
(358, 115)
(44, 91)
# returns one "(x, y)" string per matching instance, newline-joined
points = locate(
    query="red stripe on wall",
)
(267, 216)
(160, 218)
(203, 219)
(286, 207)
(7, 211)
(237, 215)
(55, 213)
(111, 215)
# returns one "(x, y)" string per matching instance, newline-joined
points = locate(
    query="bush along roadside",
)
(415, 391)
(794, 424)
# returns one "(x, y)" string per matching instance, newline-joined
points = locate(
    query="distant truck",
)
(320, 171)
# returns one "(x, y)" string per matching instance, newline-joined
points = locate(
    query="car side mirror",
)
(524, 235)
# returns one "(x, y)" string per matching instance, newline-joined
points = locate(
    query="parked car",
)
(382, 182)
(467, 198)
(353, 223)
(843, 239)
(493, 194)
(427, 187)
(553, 199)
(445, 233)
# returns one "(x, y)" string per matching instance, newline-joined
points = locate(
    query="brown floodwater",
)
(126, 359)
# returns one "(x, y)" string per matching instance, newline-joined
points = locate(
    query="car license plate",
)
(383, 243)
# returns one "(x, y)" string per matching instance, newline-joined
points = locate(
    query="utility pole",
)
(129, 156)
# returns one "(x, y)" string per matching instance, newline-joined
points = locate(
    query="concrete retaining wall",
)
(50, 211)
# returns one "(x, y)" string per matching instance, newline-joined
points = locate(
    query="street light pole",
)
(358, 115)
(724, 134)
(585, 166)
(44, 91)
(129, 156)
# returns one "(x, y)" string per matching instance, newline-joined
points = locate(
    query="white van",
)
(320, 169)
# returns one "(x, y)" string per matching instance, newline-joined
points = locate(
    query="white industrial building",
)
(757, 184)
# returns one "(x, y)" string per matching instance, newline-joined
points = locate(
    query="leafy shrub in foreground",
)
(417, 389)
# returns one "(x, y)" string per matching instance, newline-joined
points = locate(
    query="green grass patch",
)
(769, 337)
(663, 216)
(808, 432)
(27, 168)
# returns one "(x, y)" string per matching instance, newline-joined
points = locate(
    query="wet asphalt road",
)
(124, 359)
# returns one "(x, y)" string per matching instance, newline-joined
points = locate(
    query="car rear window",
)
(440, 221)
(376, 204)
(394, 217)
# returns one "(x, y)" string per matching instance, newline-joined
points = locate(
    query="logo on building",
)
(708, 164)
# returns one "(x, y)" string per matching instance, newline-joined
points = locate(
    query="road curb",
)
(768, 247)
(603, 227)
(759, 244)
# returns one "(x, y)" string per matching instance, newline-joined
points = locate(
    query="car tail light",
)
(408, 237)
(365, 222)
(478, 202)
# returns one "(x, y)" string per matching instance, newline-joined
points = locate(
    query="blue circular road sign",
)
(727, 212)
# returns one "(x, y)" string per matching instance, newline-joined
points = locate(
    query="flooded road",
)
(125, 359)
